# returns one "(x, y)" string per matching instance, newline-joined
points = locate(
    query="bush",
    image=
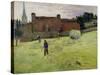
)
(74, 34)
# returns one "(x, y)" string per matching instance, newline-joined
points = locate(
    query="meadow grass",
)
(63, 54)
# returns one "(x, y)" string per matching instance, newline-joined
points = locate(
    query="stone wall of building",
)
(47, 27)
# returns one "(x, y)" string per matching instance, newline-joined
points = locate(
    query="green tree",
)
(18, 32)
(86, 17)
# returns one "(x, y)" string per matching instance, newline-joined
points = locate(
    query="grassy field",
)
(63, 54)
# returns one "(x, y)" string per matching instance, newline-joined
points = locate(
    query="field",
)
(64, 54)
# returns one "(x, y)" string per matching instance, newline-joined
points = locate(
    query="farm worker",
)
(39, 38)
(45, 47)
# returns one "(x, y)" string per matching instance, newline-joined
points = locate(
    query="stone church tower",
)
(24, 17)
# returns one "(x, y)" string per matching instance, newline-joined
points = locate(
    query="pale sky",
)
(49, 9)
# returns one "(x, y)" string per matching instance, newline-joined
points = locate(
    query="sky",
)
(51, 9)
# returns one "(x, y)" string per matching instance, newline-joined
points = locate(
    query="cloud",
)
(49, 9)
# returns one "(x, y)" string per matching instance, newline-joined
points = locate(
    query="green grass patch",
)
(63, 54)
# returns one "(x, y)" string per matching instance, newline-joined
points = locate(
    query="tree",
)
(18, 32)
(86, 17)
(80, 20)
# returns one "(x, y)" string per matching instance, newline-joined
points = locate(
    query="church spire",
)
(24, 17)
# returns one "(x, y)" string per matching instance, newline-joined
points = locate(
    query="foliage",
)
(86, 17)
(18, 32)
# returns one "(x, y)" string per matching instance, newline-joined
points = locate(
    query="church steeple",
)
(24, 17)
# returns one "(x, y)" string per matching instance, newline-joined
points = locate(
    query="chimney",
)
(58, 16)
(33, 16)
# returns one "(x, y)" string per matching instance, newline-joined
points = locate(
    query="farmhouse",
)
(47, 26)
